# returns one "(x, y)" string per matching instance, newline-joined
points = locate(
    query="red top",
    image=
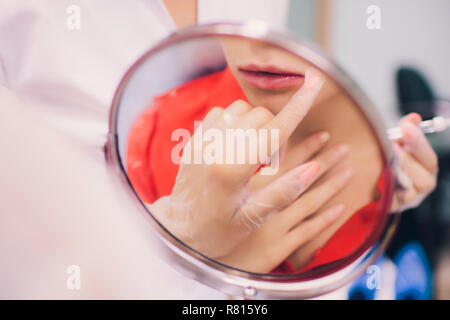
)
(152, 172)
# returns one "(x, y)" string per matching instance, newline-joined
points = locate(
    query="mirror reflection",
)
(252, 156)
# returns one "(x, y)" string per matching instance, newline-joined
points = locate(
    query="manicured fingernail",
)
(336, 211)
(309, 173)
(409, 130)
(414, 117)
(347, 174)
(323, 137)
(342, 150)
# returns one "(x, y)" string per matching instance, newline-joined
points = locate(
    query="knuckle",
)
(325, 161)
(263, 112)
(307, 205)
(240, 103)
(217, 171)
(318, 223)
(312, 144)
(429, 185)
(271, 253)
(250, 222)
(434, 182)
(211, 115)
(409, 196)
(258, 213)
(282, 200)
(329, 190)
(215, 110)
(229, 176)
(337, 184)
(311, 230)
(299, 235)
(434, 162)
(278, 124)
(315, 200)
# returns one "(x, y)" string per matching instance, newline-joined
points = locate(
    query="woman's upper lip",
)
(269, 69)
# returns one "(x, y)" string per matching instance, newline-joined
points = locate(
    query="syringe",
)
(437, 124)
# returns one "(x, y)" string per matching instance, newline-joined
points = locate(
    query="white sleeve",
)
(68, 73)
(59, 206)
(2, 73)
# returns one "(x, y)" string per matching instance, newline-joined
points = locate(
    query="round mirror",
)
(263, 168)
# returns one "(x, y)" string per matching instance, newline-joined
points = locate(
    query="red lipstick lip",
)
(271, 77)
(269, 69)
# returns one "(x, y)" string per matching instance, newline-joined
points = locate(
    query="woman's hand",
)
(418, 164)
(210, 207)
(296, 225)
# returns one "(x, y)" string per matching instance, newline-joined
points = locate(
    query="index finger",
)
(287, 120)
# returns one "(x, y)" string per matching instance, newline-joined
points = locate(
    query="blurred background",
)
(404, 67)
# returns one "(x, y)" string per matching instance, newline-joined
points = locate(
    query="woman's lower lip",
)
(271, 81)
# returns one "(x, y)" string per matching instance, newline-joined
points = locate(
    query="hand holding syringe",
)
(437, 124)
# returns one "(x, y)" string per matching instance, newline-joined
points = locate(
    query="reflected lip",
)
(271, 77)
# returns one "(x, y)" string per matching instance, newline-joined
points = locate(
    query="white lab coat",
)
(59, 205)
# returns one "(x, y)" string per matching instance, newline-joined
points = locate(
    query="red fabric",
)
(152, 172)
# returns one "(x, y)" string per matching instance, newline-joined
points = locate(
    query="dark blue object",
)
(415, 93)
(414, 279)
(364, 287)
